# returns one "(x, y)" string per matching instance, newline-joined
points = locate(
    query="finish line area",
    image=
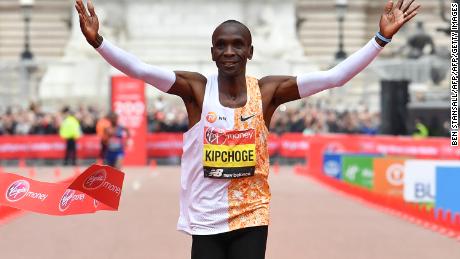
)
(307, 221)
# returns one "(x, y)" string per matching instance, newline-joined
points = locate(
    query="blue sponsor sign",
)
(448, 189)
(332, 165)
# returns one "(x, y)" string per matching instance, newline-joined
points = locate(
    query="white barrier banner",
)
(420, 179)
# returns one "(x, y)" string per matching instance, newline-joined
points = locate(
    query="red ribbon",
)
(97, 188)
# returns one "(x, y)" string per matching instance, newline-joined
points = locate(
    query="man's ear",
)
(212, 54)
(251, 52)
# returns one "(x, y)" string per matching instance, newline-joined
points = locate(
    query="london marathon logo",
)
(95, 180)
(17, 190)
(215, 136)
(66, 199)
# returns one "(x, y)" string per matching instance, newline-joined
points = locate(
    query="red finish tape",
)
(97, 188)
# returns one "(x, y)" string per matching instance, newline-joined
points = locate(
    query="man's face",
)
(231, 48)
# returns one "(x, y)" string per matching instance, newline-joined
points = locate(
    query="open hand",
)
(396, 15)
(89, 24)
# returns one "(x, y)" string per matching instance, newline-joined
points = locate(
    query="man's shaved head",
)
(243, 29)
(231, 48)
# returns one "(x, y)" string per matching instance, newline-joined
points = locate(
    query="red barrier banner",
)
(164, 145)
(273, 144)
(97, 188)
(128, 101)
(298, 145)
(407, 146)
(49, 147)
(294, 145)
(445, 223)
(290, 145)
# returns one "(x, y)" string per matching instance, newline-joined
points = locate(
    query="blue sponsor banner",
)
(332, 165)
(448, 189)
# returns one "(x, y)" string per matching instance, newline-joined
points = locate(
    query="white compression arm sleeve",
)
(315, 82)
(127, 63)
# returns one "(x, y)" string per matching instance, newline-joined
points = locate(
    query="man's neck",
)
(232, 85)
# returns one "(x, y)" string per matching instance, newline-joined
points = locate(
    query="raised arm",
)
(188, 85)
(277, 90)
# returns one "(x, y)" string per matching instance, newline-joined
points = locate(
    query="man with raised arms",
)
(224, 203)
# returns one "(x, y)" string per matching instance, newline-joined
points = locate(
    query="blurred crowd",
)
(165, 116)
(314, 119)
(34, 121)
(305, 118)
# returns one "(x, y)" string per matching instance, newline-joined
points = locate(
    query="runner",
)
(102, 124)
(224, 202)
(117, 137)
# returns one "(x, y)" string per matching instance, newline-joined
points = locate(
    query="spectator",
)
(310, 123)
(44, 125)
(70, 131)
(331, 122)
(367, 127)
(421, 131)
(24, 123)
(9, 122)
(88, 125)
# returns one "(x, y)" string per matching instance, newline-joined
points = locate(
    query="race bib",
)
(115, 144)
(229, 154)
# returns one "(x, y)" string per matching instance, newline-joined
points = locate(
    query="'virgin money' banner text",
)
(97, 188)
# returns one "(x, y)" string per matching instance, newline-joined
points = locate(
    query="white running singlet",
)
(225, 166)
